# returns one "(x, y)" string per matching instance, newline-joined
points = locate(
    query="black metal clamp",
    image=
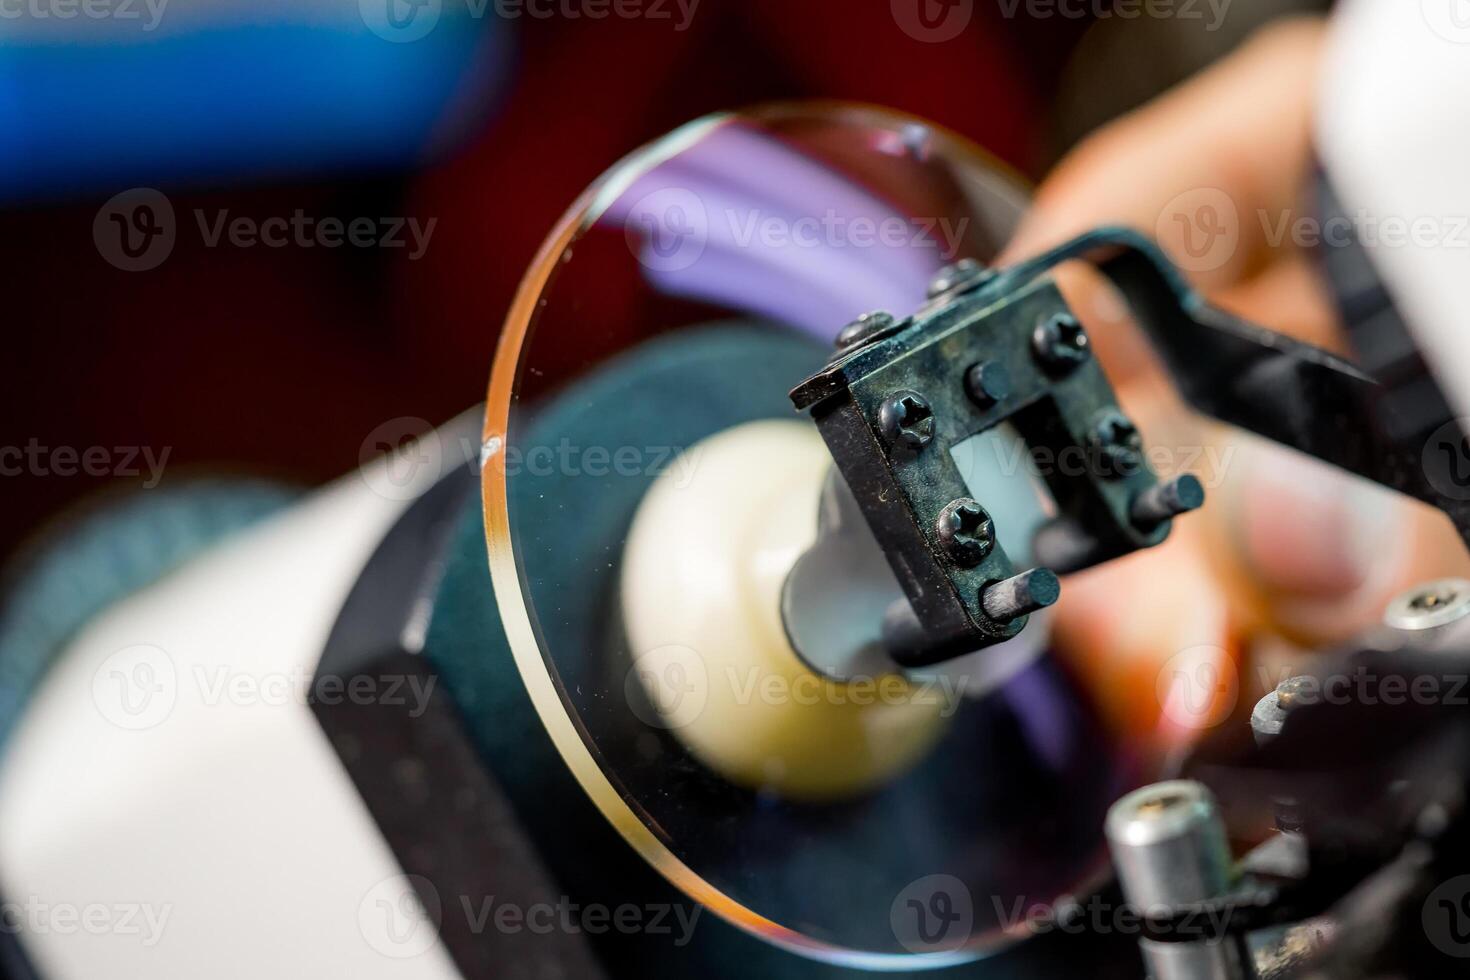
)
(998, 347)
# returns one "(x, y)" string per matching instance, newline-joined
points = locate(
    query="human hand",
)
(1288, 553)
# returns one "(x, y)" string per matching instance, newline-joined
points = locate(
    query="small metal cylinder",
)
(1195, 961)
(1166, 501)
(1021, 595)
(1169, 847)
(1269, 715)
(1168, 844)
(1268, 718)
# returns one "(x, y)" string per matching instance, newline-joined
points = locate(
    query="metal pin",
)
(987, 383)
(1269, 715)
(1164, 501)
(1020, 595)
(1268, 718)
(1170, 849)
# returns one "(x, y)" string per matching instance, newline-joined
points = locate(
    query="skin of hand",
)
(1288, 553)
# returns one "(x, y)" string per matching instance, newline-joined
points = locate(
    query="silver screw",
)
(1429, 605)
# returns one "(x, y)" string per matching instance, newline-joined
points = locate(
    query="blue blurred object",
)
(170, 92)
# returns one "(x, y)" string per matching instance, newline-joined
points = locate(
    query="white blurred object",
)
(170, 773)
(1393, 129)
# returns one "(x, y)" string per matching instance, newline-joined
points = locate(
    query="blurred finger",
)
(1192, 167)
(1317, 553)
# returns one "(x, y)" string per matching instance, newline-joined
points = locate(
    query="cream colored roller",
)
(706, 557)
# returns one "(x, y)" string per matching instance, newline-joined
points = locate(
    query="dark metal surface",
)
(892, 411)
(1288, 391)
(448, 822)
(1005, 347)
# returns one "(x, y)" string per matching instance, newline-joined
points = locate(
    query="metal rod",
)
(1165, 501)
(1170, 850)
(1021, 595)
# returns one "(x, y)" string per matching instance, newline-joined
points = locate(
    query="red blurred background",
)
(281, 361)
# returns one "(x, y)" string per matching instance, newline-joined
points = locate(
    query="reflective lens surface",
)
(647, 481)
